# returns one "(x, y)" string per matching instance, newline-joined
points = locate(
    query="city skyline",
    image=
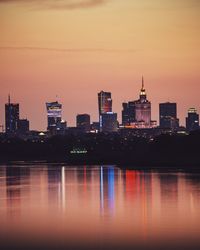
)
(75, 49)
(54, 113)
(71, 120)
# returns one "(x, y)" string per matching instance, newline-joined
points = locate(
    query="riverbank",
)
(135, 152)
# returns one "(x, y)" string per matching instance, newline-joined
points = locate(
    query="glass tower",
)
(104, 102)
(11, 117)
(54, 116)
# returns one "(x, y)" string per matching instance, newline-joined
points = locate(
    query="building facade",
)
(108, 122)
(168, 115)
(137, 114)
(192, 120)
(83, 122)
(143, 108)
(23, 126)
(104, 102)
(107, 119)
(128, 113)
(54, 118)
(11, 117)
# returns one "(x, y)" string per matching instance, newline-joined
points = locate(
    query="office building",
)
(128, 113)
(83, 122)
(192, 120)
(54, 118)
(11, 117)
(108, 122)
(104, 102)
(23, 126)
(168, 116)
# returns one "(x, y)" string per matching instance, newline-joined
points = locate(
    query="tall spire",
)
(142, 83)
(8, 98)
(142, 92)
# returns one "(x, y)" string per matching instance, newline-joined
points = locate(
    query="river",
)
(101, 205)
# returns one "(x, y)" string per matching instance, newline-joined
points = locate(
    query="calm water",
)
(99, 204)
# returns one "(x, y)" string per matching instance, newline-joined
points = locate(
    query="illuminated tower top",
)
(143, 95)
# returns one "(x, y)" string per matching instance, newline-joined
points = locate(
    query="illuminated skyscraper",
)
(143, 108)
(137, 114)
(104, 102)
(106, 117)
(11, 116)
(192, 121)
(54, 117)
(168, 115)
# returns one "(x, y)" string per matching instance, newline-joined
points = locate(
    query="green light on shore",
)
(78, 151)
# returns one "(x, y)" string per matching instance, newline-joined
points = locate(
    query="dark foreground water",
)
(99, 206)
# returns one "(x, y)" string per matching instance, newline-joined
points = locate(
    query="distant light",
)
(78, 151)
(192, 110)
(181, 132)
(94, 131)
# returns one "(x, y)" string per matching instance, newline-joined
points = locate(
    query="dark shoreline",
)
(173, 166)
(162, 152)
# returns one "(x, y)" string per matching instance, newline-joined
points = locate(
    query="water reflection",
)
(13, 192)
(127, 205)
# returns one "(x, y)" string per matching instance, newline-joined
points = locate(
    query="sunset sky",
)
(73, 49)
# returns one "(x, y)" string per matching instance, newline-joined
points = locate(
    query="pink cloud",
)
(58, 4)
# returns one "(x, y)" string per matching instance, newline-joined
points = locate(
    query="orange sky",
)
(75, 48)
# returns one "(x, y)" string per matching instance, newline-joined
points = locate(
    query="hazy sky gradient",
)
(73, 49)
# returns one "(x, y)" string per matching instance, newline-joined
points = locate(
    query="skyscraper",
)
(168, 115)
(143, 108)
(192, 121)
(104, 102)
(11, 116)
(137, 114)
(108, 122)
(106, 116)
(83, 122)
(128, 113)
(54, 117)
(23, 126)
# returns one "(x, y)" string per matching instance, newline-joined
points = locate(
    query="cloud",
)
(171, 4)
(70, 50)
(58, 4)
